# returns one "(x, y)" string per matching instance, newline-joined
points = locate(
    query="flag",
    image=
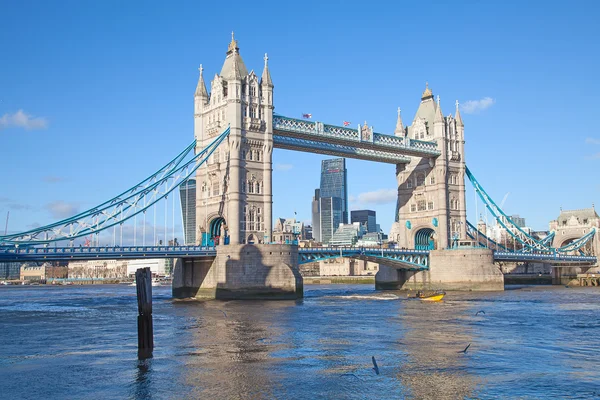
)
(308, 116)
(347, 123)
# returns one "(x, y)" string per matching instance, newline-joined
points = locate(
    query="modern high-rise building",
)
(334, 182)
(366, 218)
(187, 194)
(330, 217)
(316, 216)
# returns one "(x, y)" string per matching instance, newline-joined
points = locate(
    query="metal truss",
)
(548, 239)
(332, 149)
(41, 254)
(320, 132)
(555, 258)
(411, 260)
(123, 207)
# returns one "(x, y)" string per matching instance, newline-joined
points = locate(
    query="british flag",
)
(307, 116)
(347, 123)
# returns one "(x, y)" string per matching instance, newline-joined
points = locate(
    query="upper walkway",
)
(317, 137)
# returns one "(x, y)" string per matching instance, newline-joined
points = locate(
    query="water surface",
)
(80, 343)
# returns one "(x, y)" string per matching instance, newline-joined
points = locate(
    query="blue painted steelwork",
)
(548, 239)
(12, 254)
(123, 207)
(320, 135)
(334, 149)
(413, 260)
(555, 258)
(515, 231)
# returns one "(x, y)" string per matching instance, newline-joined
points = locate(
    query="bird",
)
(465, 350)
(224, 313)
(375, 367)
(480, 311)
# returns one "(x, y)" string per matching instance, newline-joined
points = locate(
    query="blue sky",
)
(106, 89)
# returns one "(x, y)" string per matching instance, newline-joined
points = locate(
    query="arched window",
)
(258, 187)
(250, 187)
(253, 111)
(252, 90)
(243, 154)
(409, 183)
(251, 155)
(258, 153)
(420, 179)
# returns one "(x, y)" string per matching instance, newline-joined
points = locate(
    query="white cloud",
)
(61, 209)
(283, 167)
(592, 141)
(22, 120)
(381, 196)
(474, 106)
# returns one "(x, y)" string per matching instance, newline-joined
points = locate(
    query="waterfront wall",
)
(460, 269)
(241, 271)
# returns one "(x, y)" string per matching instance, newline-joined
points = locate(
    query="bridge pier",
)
(241, 272)
(460, 269)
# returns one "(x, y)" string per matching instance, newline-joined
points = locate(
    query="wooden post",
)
(143, 283)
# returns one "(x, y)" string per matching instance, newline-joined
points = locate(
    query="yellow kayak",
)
(432, 297)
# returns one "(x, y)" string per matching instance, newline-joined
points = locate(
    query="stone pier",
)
(461, 269)
(243, 271)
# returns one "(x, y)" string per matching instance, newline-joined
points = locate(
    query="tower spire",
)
(427, 94)
(266, 75)
(457, 117)
(201, 88)
(399, 131)
(439, 117)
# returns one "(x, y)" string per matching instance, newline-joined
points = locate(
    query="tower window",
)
(413, 207)
(430, 205)
(253, 111)
(421, 205)
(409, 183)
(420, 180)
(432, 180)
(252, 90)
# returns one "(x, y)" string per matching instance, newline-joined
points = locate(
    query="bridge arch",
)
(218, 228)
(425, 239)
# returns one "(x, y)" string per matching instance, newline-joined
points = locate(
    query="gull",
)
(465, 350)
(224, 313)
(480, 311)
(375, 367)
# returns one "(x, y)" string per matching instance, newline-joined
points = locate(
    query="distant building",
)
(368, 218)
(307, 234)
(287, 230)
(10, 270)
(347, 234)
(98, 269)
(158, 266)
(520, 222)
(573, 224)
(330, 217)
(33, 272)
(334, 183)
(187, 194)
(316, 215)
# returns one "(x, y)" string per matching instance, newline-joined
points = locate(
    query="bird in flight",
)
(375, 367)
(480, 311)
(465, 350)
(224, 313)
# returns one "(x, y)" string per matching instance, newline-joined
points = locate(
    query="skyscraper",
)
(187, 194)
(334, 182)
(366, 218)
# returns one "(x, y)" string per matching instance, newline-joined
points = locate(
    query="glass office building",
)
(187, 194)
(365, 217)
(334, 183)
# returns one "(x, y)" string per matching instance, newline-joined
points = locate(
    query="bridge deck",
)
(317, 137)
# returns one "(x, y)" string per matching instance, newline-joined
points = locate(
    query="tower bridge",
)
(230, 159)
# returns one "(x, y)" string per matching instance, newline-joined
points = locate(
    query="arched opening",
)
(424, 239)
(218, 227)
(251, 239)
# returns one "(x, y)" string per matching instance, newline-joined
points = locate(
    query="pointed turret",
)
(233, 67)
(457, 117)
(439, 117)
(266, 75)
(201, 88)
(399, 131)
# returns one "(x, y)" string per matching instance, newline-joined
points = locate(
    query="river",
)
(66, 342)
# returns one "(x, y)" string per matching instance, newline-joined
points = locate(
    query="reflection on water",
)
(80, 342)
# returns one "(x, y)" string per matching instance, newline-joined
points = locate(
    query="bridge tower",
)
(234, 190)
(431, 206)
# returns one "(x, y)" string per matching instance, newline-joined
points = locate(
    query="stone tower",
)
(234, 191)
(431, 206)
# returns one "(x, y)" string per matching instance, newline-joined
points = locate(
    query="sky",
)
(95, 96)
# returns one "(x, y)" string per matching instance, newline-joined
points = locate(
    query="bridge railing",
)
(103, 250)
(543, 256)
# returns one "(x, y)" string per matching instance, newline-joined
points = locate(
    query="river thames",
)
(80, 343)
